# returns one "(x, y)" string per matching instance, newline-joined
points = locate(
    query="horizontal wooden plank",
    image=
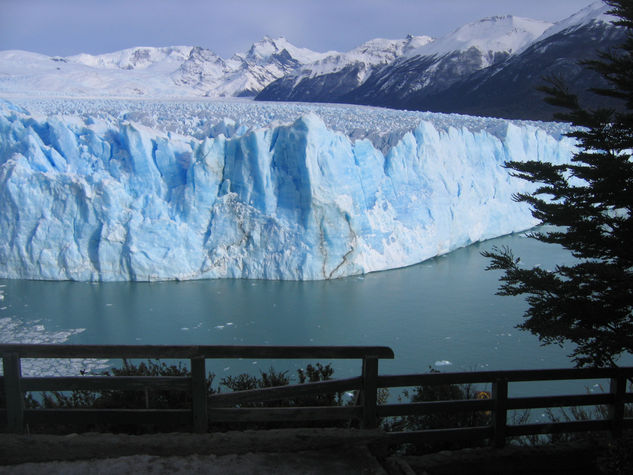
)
(410, 380)
(558, 401)
(107, 416)
(434, 435)
(557, 427)
(285, 392)
(281, 414)
(96, 383)
(420, 379)
(175, 352)
(434, 407)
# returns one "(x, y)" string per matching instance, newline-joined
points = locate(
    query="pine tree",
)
(590, 203)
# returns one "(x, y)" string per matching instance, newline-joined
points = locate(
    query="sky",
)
(67, 27)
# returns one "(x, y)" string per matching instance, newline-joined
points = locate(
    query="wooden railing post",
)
(616, 409)
(499, 412)
(13, 392)
(369, 393)
(199, 395)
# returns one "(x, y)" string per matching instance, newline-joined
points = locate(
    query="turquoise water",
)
(442, 313)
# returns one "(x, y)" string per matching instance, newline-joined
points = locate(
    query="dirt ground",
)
(305, 451)
(309, 451)
(323, 462)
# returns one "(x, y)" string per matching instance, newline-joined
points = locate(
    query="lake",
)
(442, 313)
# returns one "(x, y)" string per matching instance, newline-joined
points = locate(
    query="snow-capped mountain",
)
(340, 73)
(510, 89)
(491, 67)
(243, 74)
(423, 64)
(133, 58)
(34, 74)
(261, 52)
(491, 36)
(375, 52)
(595, 13)
(181, 71)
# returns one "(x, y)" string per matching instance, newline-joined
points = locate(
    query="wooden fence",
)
(221, 407)
(499, 403)
(203, 407)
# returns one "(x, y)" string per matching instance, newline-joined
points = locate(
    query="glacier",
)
(161, 191)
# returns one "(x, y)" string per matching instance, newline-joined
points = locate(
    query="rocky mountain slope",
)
(492, 67)
(424, 65)
(508, 88)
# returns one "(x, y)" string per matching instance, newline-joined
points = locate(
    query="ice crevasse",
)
(91, 200)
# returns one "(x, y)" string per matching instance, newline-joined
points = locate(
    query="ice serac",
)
(85, 199)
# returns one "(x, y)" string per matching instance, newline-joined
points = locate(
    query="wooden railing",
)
(203, 406)
(499, 403)
(221, 407)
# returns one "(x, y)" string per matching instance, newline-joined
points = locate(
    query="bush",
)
(617, 458)
(175, 399)
(444, 420)
(272, 378)
(118, 399)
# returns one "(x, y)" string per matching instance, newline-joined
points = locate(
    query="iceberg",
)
(297, 193)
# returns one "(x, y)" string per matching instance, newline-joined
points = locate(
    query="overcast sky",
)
(66, 27)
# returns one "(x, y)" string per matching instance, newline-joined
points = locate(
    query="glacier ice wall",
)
(87, 199)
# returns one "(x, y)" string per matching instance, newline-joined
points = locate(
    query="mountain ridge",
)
(417, 72)
(472, 71)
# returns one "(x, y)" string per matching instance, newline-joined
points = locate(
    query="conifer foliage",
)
(590, 204)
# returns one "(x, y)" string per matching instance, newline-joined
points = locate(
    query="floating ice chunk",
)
(14, 330)
(443, 363)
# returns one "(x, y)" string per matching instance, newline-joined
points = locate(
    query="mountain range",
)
(491, 67)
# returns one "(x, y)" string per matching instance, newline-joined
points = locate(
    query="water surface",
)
(442, 313)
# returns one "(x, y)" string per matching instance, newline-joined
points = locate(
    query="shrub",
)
(175, 399)
(443, 420)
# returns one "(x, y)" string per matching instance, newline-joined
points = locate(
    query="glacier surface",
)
(156, 190)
